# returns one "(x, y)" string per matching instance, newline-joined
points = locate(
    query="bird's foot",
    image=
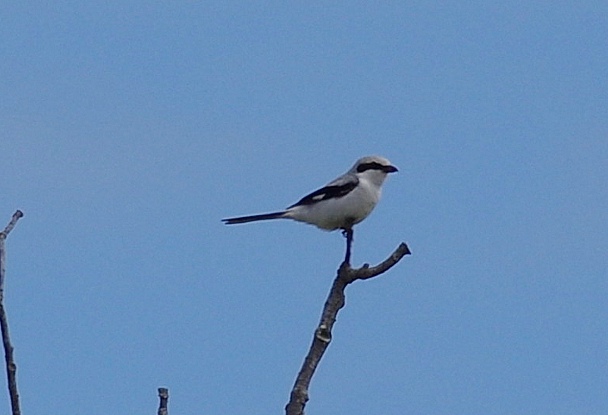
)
(348, 234)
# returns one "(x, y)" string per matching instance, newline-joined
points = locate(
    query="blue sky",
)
(129, 129)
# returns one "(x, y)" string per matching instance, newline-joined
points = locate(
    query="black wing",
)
(330, 191)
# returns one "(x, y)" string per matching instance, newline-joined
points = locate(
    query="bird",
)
(341, 204)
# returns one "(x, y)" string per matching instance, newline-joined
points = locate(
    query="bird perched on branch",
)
(340, 204)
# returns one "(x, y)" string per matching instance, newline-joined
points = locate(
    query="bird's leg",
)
(348, 234)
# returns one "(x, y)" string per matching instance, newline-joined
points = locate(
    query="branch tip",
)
(163, 394)
(406, 249)
(16, 216)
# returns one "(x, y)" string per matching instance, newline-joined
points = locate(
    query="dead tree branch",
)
(163, 394)
(11, 367)
(322, 337)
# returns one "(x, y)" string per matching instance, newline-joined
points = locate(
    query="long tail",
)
(253, 218)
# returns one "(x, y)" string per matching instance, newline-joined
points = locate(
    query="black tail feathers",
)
(253, 218)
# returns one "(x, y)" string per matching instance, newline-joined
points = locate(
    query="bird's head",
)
(374, 168)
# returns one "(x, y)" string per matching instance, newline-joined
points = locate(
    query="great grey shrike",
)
(342, 203)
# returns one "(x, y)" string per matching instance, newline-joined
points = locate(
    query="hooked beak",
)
(390, 169)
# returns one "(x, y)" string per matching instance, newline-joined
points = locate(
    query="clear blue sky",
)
(129, 129)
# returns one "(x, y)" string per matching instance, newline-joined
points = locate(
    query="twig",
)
(11, 367)
(163, 394)
(322, 338)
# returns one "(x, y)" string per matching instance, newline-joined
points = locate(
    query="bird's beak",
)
(390, 169)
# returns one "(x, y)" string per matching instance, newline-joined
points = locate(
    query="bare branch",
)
(16, 216)
(163, 394)
(365, 272)
(11, 367)
(335, 301)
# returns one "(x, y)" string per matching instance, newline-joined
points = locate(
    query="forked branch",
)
(322, 337)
